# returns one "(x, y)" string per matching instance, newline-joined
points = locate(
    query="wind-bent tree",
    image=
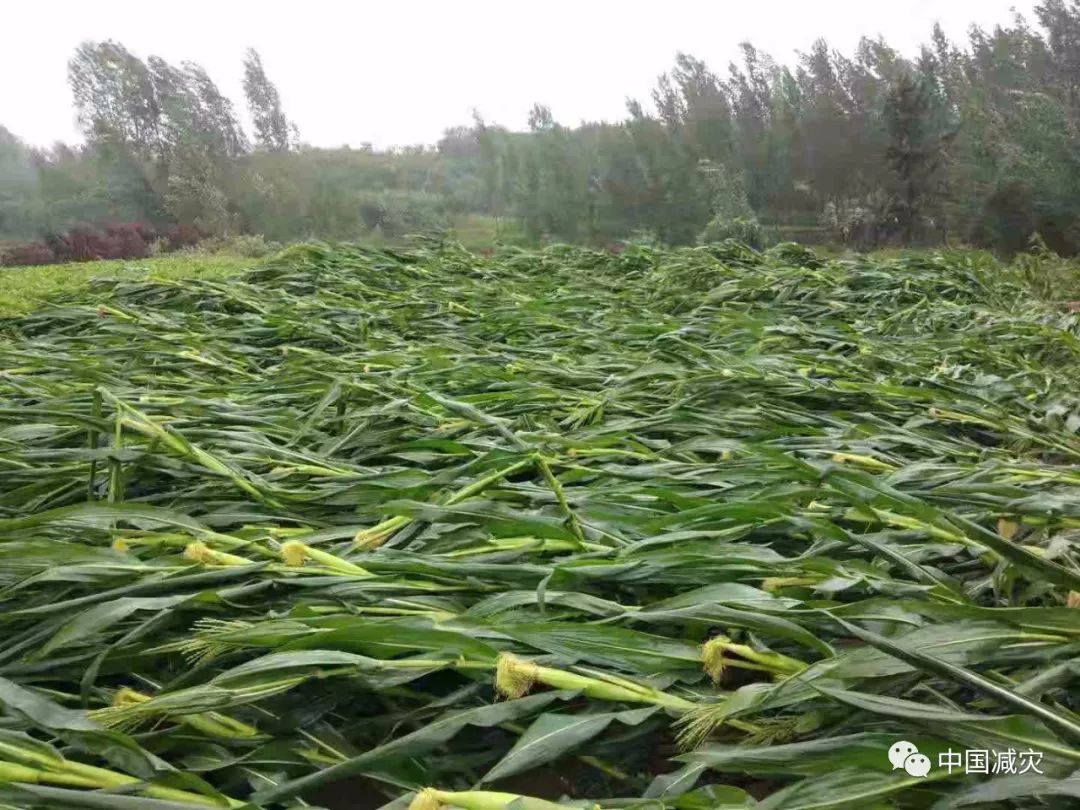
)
(973, 141)
(168, 129)
(273, 132)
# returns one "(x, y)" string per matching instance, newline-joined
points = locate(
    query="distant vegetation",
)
(968, 143)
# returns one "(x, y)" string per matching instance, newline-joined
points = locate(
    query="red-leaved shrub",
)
(131, 240)
(26, 253)
(86, 245)
(124, 240)
(181, 236)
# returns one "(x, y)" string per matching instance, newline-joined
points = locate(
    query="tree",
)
(915, 153)
(19, 193)
(553, 195)
(826, 128)
(115, 97)
(752, 110)
(977, 140)
(1061, 20)
(202, 140)
(273, 132)
(118, 107)
(167, 134)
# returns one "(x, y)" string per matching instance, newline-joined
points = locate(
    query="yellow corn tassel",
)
(294, 553)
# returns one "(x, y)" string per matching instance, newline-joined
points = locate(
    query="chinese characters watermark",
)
(976, 760)
(904, 755)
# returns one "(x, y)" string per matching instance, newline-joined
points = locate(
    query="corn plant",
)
(690, 528)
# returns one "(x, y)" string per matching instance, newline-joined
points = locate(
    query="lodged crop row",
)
(700, 528)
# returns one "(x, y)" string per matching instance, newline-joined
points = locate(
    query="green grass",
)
(477, 231)
(23, 289)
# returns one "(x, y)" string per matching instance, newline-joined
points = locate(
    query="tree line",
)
(972, 142)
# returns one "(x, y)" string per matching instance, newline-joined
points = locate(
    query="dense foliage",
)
(708, 526)
(972, 143)
(129, 240)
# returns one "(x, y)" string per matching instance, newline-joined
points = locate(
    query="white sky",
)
(399, 71)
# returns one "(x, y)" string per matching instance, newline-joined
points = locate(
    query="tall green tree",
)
(273, 132)
(915, 154)
(976, 141)
(203, 140)
(751, 98)
(168, 130)
(116, 98)
(19, 188)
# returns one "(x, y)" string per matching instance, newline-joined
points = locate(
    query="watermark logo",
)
(905, 755)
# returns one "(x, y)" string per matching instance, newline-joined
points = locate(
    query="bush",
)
(83, 245)
(794, 254)
(399, 213)
(253, 246)
(26, 253)
(644, 237)
(128, 240)
(182, 236)
(1048, 275)
(747, 231)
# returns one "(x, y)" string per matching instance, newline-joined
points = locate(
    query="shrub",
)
(399, 213)
(253, 246)
(126, 240)
(794, 254)
(132, 240)
(747, 231)
(182, 236)
(85, 245)
(26, 253)
(1046, 274)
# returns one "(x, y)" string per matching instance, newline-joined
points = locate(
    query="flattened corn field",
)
(701, 528)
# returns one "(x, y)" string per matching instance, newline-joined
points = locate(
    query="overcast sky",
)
(399, 71)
